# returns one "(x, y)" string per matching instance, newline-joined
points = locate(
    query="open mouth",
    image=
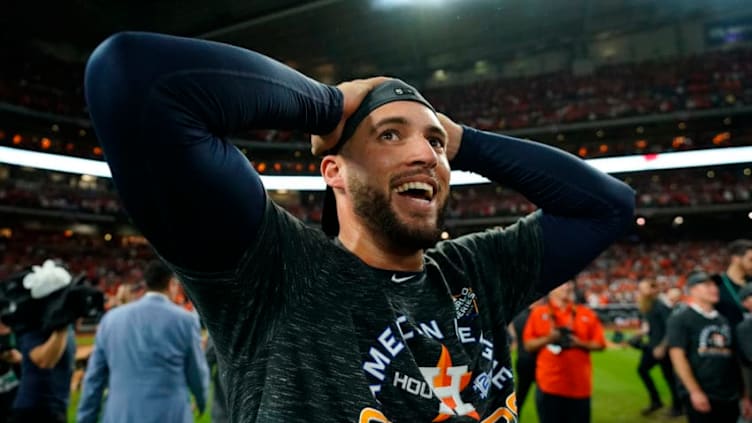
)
(418, 190)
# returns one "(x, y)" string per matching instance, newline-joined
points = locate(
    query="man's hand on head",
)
(353, 93)
(454, 132)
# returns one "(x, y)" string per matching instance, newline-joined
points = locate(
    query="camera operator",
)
(563, 334)
(40, 306)
(10, 359)
(47, 367)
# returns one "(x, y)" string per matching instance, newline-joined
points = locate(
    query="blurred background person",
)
(655, 313)
(674, 297)
(737, 275)
(10, 360)
(46, 370)
(700, 346)
(47, 344)
(148, 356)
(744, 342)
(525, 365)
(563, 334)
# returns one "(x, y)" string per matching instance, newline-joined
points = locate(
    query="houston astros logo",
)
(447, 382)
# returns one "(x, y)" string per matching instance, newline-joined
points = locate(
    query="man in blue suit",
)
(148, 354)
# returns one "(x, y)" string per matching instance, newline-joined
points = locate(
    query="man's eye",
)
(436, 142)
(389, 135)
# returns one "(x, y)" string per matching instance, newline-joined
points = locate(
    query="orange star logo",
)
(447, 382)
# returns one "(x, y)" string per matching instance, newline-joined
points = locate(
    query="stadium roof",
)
(352, 37)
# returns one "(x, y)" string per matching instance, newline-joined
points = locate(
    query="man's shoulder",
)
(584, 310)
(537, 312)
(681, 312)
(745, 327)
(119, 312)
(683, 309)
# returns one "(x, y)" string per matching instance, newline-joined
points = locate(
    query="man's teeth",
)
(427, 188)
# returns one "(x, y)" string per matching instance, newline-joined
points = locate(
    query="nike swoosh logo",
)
(400, 280)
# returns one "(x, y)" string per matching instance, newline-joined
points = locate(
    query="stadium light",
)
(390, 4)
(624, 164)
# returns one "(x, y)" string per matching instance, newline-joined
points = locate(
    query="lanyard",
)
(735, 295)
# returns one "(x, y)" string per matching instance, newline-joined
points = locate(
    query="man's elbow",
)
(623, 203)
(110, 66)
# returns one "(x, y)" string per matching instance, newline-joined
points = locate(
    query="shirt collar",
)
(708, 315)
(156, 295)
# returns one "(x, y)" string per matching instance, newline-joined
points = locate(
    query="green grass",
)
(618, 392)
(82, 340)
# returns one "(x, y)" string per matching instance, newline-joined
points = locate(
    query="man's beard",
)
(375, 208)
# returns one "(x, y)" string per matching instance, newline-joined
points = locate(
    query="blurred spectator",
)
(737, 275)
(525, 364)
(158, 341)
(10, 359)
(655, 314)
(674, 297)
(700, 346)
(744, 340)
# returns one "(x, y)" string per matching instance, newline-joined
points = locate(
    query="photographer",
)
(563, 334)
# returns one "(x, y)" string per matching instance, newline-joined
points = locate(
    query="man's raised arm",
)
(162, 108)
(584, 210)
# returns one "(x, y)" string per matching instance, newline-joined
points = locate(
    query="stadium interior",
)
(657, 93)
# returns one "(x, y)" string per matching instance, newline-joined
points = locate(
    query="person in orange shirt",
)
(563, 334)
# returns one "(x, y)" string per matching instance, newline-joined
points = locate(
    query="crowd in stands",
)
(116, 264)
(612, 278)
(709, 81)
(108, 264)
(681, 188)
(712, 80)
(43, 83)
(55, 191)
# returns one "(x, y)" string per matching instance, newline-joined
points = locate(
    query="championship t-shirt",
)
(707, 342)
(306, 332)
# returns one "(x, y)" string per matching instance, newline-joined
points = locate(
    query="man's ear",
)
(332, 171)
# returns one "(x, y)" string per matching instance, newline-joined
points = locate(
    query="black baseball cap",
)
(697, 277)
(386, 92)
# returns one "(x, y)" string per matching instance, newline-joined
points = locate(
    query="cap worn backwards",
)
(387, 92)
